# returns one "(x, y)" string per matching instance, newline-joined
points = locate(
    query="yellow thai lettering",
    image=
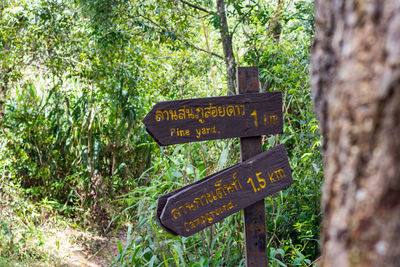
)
(159, 115)
(201, 113)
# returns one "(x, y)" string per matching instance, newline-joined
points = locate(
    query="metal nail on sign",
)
(193, 120)
(205, 202)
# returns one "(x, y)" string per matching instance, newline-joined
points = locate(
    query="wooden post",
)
(254, 215)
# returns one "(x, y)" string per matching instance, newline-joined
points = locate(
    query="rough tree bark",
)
(226, 38)
(356, 90)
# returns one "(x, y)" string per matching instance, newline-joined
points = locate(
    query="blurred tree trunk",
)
(356, 90)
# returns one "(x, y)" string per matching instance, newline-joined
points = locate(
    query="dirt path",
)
(77, 248)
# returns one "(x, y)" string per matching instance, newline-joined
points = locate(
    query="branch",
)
(197, 7)
(241, 19)
(181, 38)
(201, 49)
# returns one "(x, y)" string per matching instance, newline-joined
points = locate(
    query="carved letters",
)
(215, 197)
(182, 121)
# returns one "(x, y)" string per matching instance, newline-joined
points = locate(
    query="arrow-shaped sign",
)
(193, 120)
(164, 198)
(205, 202)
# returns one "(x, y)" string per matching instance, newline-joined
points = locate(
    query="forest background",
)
(77, 78)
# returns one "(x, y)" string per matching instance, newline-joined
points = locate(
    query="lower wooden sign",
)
(163, 199)
(194, 207)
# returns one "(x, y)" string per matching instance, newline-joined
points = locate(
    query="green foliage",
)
(293, 215)
(21, 241)
(216, 246)
(81, 75)
(82, 117)
(51, 148)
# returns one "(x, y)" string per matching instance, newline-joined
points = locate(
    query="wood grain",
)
(193, 120)
(210, 200)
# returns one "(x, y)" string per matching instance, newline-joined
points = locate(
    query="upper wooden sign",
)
(192, 120)
(205, 202)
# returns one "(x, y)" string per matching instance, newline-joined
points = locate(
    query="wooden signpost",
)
(214, 198)
(243, 186)
(254, 216)
(193, 120)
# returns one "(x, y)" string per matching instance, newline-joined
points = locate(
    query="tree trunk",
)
(356, 90)
(227, 47)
